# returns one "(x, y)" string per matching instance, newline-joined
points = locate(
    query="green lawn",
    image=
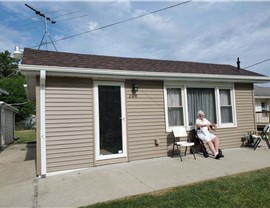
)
(250, 189)
(25, 136)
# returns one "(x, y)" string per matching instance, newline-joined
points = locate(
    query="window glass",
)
(175, 108)
(225, 106)
(264, 106)
(201, 99)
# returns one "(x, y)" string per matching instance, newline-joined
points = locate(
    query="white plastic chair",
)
(179, 132)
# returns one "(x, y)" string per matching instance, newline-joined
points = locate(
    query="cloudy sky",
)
(199, 31)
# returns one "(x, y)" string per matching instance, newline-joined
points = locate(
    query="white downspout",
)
(42, 123)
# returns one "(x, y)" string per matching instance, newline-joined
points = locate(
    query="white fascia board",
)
(108, 73)
(262, 97)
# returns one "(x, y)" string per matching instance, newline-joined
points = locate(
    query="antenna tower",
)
(45, 19)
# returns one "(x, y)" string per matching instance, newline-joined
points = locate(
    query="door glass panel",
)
(110, 123)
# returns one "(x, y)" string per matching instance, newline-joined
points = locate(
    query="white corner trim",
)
(42, 123)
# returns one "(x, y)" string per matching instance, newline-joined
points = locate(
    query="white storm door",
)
(110, 120)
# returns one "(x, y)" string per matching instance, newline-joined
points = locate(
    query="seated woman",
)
(202, 126)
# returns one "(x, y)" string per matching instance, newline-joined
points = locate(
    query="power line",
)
(117, 23)
(72, 18)
(257, 63)
(62, 20)
(66, 14)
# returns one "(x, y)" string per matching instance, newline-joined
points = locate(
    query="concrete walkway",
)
(17, 175)
(99, 184)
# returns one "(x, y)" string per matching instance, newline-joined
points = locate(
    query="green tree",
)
(8, 65)
(17, 97)
(12, 82)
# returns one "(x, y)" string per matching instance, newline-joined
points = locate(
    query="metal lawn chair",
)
(263, 136)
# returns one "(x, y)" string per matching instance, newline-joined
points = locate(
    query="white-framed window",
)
(175, 107)
(184, 101)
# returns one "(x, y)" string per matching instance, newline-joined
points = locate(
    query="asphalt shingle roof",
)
(63, 59)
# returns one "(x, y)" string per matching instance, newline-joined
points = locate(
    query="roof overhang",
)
(108, 73)
(32, 70)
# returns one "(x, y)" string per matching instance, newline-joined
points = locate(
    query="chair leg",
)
(186, 151)
(192, 150)
(257, 143)
(173, 150)
(179, 150)
(267, 142)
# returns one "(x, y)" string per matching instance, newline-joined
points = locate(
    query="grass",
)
(249, 189)
(25, 136)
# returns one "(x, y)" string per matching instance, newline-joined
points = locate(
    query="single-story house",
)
(94, 110)
(262, 105)
(7, 121)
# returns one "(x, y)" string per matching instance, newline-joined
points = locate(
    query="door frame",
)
(123, 119)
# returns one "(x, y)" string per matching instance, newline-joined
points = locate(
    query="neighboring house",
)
(95, 110)
(7, 121)
(262, 106)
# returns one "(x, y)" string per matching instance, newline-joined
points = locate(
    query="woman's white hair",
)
(200, 112)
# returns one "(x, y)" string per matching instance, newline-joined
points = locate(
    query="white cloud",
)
(9, 38)
(225, 37)
(92, 25)
(58, 37)
(153, 21)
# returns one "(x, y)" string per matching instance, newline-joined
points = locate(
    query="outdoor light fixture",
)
(135, 88)
(17, 53)
(157, 142)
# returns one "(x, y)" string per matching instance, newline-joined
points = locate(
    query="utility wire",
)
(117, 23)
(72, 18)
(11, 74)
(66, 14)
(257, 63)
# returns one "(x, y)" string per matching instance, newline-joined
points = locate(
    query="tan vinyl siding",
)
(69, 123)
(245, 108)
(146, 120)
(231, 137)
